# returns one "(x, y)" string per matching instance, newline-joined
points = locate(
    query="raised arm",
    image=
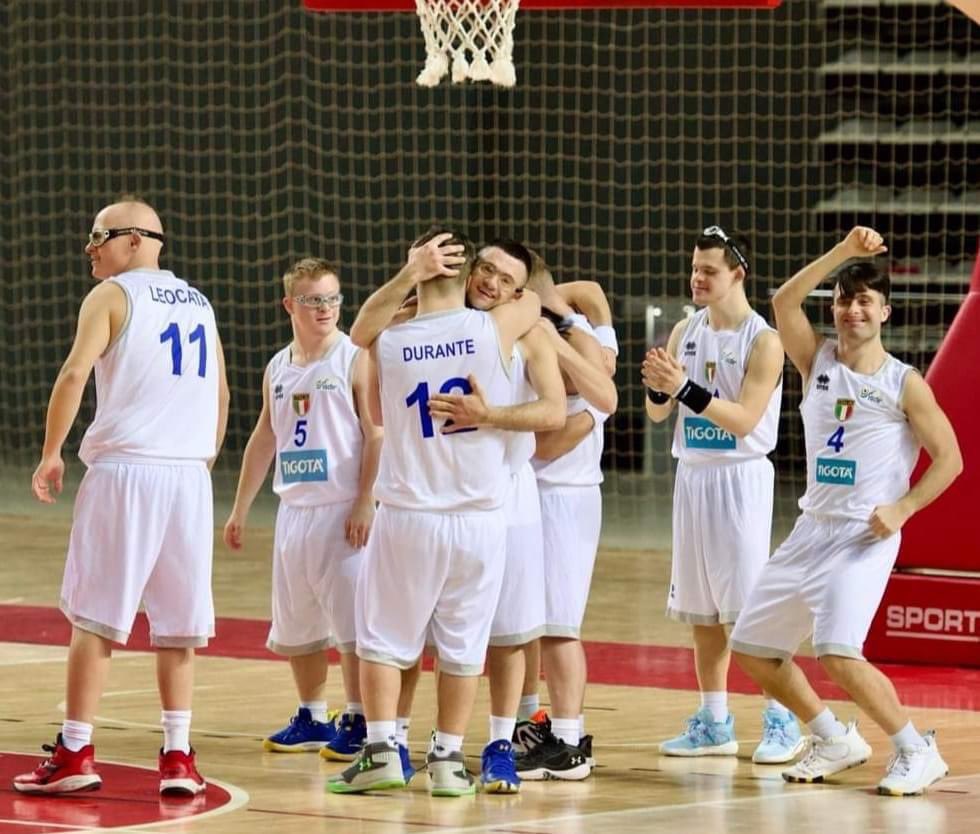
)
(933, 430)
(260, 451)
(589, 299)
(432, 259)
(101, 314)
(580, 357)
(799, 338)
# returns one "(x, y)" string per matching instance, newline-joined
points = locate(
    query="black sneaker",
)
(554, 759)
(585, 745)
(532, 733)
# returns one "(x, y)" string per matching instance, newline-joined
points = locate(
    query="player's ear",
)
(886, 313)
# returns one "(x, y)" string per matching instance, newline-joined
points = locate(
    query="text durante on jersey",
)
(419, 353)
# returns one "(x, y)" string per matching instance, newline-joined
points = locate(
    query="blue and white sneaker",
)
(781, 738)
(301, 735)
(704, 737)
(351, 733)
(499, 770)
(407, 770)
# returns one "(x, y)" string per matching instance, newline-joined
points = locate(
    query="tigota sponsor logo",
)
(703, 434)
(308, 465)
(836, 471)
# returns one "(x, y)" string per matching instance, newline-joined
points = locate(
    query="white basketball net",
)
(477, 36)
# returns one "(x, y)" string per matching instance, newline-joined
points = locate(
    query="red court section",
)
(129, 796)
(618, 664)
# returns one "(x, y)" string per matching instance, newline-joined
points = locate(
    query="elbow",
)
(956, 464)
(359, 337)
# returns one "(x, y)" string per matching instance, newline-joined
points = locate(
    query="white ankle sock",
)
(773, 704)
(176, 730)
(401, 730)
(381, 731)
(502, 728)
(530, 704)
(445, 743)
(566, 729)
(75, 735)
(907, 737)
(717, 703)
(354, 708)
(581, 724)
(826, 725)
(318, 709)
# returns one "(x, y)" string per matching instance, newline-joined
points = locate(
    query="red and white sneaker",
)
(65, 771)
(178, 774)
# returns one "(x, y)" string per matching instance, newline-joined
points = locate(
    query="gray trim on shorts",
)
(724, 618)
(504, 640)
(165, 641)
(346, 648)
(767, 652)
(102, 630)
(460, 670)
(299, 651)
(838, 650)
(562, 631)
(386, 659)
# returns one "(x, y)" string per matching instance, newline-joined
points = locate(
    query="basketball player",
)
(434, 563)
(143, 515)
(315, 423)
(723, 366)
(865, 415)
(567, 467)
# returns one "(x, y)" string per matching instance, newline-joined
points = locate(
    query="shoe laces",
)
(774, 729)
(698, 729)
(902, 761)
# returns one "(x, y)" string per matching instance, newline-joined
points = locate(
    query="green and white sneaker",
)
(448, 775)
(377, 768)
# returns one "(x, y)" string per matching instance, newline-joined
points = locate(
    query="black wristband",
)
(694, 396)
(656, 397)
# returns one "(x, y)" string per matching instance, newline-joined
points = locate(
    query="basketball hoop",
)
(472, 38)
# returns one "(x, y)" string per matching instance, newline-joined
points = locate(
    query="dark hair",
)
(515, 249)
(731, 259)
(863, 275)
(459, 239)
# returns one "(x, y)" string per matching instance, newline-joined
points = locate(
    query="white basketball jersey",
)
(860, 449)
(520, 444)
(717, 360)
(422, 468)
(157, 385)
(318, 435)
(582, 465)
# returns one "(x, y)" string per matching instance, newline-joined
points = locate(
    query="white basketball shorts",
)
(571, 520)
(519, 618)
(722, 524)
(435, 573)
(314, 578)
(142, 531)
(827, 578)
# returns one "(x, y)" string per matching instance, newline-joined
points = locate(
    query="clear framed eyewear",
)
(319, 300)
(99, 237)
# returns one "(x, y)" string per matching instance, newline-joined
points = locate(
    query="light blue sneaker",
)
(704, 737)
(499, 770)
(301, 735)
(781, 738)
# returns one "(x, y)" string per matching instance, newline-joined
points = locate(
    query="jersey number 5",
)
(420, 395)
(172, 334)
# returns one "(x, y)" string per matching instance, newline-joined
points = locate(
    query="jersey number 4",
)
(420, 396)
(836, 440)
(172, 335)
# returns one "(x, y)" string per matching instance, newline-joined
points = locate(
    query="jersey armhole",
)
(128, 318)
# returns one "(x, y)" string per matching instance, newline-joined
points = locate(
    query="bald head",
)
(130, 213)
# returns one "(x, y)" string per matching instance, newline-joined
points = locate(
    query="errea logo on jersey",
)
(836, 471)
(308, 465)
(703, 434)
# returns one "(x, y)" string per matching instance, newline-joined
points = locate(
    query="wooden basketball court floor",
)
(645, 688)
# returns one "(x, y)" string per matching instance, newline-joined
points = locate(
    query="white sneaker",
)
(448, 775)
(913, 769)
(829, 756)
